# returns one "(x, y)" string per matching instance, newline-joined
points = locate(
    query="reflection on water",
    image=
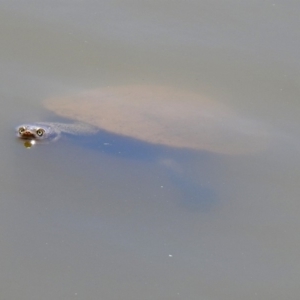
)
(117, 218)
(29, 143)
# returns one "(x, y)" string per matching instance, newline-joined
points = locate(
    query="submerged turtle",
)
(154, 114)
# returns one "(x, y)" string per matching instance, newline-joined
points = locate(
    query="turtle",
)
(157, 116)
(160, 115)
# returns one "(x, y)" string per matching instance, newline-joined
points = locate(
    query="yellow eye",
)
(21, 130)
(40, 132)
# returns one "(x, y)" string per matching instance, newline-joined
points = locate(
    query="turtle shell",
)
(164, 115)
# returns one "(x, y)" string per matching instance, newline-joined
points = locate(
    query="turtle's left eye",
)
(40, 132)
(21, 130)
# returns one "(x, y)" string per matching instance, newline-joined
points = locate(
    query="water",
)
(126, 220)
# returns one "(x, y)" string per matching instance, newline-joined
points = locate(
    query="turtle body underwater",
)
(154, 117)
(154, 114)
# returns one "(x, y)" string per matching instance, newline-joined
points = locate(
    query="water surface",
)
(86, 221)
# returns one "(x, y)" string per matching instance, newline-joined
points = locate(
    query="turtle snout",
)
(26, 134)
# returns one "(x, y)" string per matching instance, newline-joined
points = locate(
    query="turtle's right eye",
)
(21, 130)
(40, 132)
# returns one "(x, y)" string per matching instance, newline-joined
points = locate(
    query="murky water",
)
(123, 219)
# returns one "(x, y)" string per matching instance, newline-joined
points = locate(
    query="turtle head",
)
(37, 133)
(27, 131)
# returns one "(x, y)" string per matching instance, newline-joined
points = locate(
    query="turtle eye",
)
(40, 132)
(21, 130)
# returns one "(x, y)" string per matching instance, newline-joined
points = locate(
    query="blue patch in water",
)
(194, 195)
(122, 146)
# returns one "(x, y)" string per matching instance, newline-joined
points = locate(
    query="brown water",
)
(92, 221)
